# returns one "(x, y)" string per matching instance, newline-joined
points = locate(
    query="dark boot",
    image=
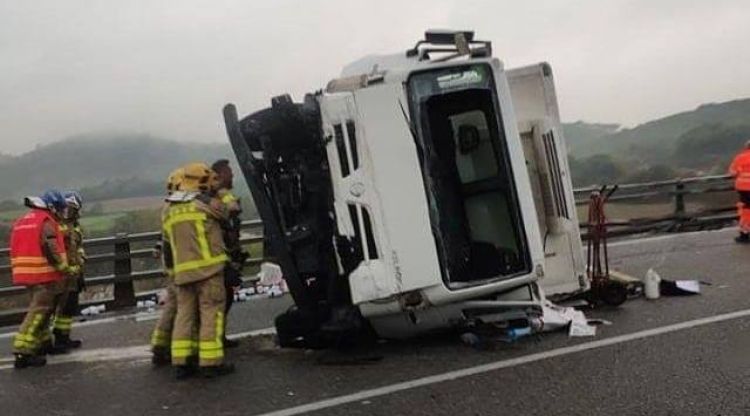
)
(161, 356)
(217, 371)
(63, 341)
(230, 343)
(27, 360)
(51, 348)
(743, 238)
(182, 372)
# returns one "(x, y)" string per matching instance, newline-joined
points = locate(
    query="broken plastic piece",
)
(680, 287)
(581, 328)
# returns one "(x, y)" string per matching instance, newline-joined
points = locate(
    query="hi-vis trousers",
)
(161, 338)
(66, 306)
(200, 303)
(34, 330)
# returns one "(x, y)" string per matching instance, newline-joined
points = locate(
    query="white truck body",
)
(451, 177)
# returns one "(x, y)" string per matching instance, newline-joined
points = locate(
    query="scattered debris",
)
(581, 328)
(556, 317)
(651, 284)
(94, 310)
(680, 287)
(270, 274)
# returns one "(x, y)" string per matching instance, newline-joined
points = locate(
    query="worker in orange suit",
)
(740, 169)
(38, 260)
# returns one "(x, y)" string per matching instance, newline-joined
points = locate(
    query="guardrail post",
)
(124, 288)
(679, 200)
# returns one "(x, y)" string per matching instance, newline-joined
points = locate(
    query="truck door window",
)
(467, 174)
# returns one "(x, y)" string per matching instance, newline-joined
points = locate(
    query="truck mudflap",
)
(282, 156)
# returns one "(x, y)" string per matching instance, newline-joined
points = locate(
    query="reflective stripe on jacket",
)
(27, 258)
(193, 232)
(740, 169)
(73, 237)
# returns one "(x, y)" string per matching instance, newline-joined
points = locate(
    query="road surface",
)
(674, 356)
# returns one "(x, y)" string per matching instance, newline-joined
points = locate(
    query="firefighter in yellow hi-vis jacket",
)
(161, 337)
(67, 305)
(192, 226)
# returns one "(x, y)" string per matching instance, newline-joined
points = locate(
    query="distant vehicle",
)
(419, 191)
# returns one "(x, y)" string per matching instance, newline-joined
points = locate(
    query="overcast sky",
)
(167, 67)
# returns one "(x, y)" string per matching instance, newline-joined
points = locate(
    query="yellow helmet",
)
(174, 181)
(198, 177)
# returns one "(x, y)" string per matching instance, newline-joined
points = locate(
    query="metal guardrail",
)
(676, 190)
(121, 257)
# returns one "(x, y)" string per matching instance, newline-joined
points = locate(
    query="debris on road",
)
(680, 287)
(94, 310)
(556, 317)
(270, 274)
(651, 284)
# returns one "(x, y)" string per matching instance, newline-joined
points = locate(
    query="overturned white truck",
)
(423, 190)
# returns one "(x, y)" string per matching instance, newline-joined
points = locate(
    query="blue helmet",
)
(73, 199)
(54, 200)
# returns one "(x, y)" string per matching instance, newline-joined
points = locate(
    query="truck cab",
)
(418, 191)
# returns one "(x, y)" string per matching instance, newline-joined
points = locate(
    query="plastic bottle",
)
(651, 284)
(515, 333)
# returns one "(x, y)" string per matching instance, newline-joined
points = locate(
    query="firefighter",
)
(192, 226)
(740, 169)
(67, 304)
(162, 335)
(39, 261)
(237, 256)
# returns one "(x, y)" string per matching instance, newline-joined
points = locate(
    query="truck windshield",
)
(467, 175)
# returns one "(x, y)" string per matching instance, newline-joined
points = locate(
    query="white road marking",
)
(123, 353)
(498, 365)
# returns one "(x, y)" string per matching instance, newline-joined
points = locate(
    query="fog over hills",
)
(123, 165)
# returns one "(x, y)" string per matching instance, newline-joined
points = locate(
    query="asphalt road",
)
(674, 356)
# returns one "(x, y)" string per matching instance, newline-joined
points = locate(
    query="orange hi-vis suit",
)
(740, 169)
(35, 268)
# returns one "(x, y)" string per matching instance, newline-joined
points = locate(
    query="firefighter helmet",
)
(198, 177)
(174, 181)
(73, 199)
(54, 201)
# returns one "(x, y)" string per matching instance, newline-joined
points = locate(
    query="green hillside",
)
(133, 165)
(696, 142)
